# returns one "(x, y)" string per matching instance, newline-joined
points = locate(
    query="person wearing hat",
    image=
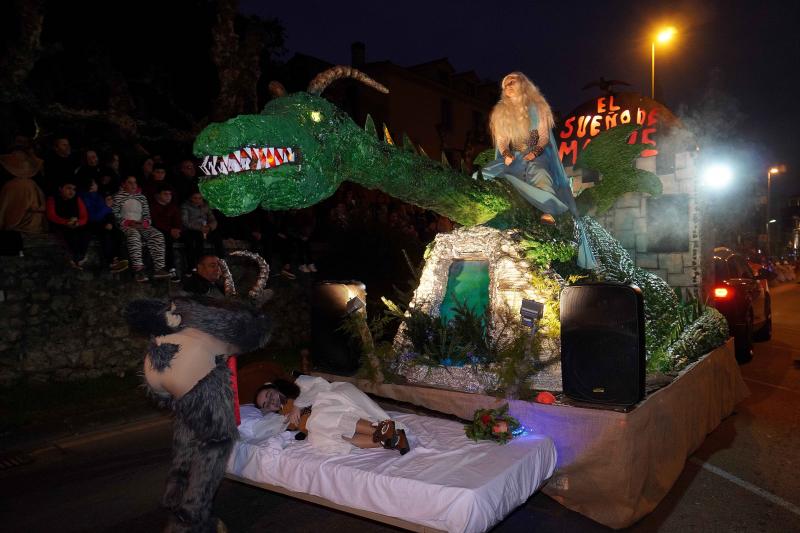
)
(22, 202)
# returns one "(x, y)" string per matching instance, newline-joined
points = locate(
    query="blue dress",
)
(544, 184)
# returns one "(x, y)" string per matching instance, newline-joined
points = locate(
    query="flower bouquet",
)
(492, 424)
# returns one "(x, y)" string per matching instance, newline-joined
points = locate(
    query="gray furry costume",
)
(184, 334)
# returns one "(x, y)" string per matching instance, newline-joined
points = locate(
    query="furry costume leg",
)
(184, 448)
(205, 431)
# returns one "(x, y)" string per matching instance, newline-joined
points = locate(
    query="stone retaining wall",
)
(58, 324)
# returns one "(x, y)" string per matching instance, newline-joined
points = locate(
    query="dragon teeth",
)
(234, 165)
(244, 159)
(247, 158)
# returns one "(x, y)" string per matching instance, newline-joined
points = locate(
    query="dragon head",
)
(281, 158)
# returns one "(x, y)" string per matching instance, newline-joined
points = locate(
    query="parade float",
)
(464, 342)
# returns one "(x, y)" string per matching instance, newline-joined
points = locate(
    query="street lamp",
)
(717, 176)
(663, 36)
(771, 172)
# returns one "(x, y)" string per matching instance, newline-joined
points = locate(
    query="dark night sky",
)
(753, 47)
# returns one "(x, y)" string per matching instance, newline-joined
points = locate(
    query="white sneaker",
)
(304, 269)
(312, 267)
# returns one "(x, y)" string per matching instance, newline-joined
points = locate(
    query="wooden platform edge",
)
(319, 500)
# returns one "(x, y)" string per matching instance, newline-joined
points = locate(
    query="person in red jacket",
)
(166, 217)
(69, 218)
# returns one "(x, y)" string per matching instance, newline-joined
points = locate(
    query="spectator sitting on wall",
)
(260, 232)
(146, 170)
(22, 202)
(58, 166)
(110, 178)
(88, 171)
(167, 219)
(187, 181)
(301, 228)
(199, 226)
(133, 215)
(158, 178)
(285, 251)
(102, 225)
(205, 280)
(69, 217)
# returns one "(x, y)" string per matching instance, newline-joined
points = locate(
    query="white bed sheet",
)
(446, 481)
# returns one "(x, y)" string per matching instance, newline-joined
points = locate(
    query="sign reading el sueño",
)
(606, 112)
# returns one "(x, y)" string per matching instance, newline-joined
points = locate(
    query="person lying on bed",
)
(335, 416)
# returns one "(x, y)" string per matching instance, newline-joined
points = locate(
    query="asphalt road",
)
(743, 478)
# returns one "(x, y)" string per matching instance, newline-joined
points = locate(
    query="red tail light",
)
(723, 293)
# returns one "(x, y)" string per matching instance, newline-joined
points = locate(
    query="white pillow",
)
(257, 426)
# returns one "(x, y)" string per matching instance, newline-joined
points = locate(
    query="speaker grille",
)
(602, 343)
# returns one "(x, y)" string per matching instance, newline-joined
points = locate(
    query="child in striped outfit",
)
(133, 215)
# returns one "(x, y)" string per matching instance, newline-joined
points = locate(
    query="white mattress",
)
(446, 481)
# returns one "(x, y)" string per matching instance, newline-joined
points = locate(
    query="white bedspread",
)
(446, 481)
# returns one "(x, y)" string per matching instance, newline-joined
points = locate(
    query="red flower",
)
(500, 427)
(486, 418)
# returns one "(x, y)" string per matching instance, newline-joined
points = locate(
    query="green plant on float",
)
(385, 355)
(375, 359)
(484, 158)
(464, 340)
(543, 253)
(549, 290)
(615, 160)
(515, 359)
(703, 335)
(660, 361)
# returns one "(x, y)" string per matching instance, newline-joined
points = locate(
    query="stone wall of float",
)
(638, 233)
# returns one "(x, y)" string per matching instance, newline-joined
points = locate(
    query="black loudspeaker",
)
(602, 343)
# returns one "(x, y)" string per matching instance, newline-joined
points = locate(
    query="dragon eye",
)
(316, 116)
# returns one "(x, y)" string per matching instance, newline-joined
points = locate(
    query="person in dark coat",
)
(205, 280)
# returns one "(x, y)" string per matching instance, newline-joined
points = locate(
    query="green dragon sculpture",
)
(301, 147)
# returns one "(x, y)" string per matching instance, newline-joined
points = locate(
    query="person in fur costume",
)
(190, 339)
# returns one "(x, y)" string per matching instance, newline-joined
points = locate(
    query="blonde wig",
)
(509, 121)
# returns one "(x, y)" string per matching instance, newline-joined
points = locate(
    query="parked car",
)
(743, 298)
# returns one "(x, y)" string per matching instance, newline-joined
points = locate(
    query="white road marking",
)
(747, 486)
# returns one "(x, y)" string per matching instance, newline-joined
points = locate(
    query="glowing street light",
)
(771, 172)
(663, 37)
(717, 176)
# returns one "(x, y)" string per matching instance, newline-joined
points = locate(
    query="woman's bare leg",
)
(360, 440)
(364, 427)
